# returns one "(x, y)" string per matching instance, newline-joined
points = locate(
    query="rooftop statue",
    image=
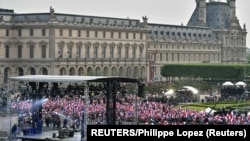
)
(145, 19)
(52, 11)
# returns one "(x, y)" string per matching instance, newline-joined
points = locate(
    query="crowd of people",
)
(69, 111)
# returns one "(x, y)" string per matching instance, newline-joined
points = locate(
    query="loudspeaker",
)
(141, 92)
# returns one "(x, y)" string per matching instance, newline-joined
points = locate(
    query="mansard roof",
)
(70, 18)
(159, 31)
(217, 15)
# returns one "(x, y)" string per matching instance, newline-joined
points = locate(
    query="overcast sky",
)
(174, 12)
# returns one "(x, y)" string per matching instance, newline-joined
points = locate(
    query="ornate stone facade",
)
(64, 44)
(213, 35)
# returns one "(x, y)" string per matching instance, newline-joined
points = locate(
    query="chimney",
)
(232, 8)
(202, 12)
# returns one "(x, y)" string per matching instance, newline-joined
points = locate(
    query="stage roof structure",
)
(70, 79)
(110, 82)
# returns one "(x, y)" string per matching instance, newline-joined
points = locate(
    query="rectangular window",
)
(141, 36)
(7, 51)
(112, 35)
(70, 32)
(79, 33)
(112, 52)
(60, 52)
(134, 36)
(19, 32)
(78, 52)
(104, 34)
(120, 35)
(43, 51)
(141, 52)
(104, 52)
(70, 52)
(87, 52)
(134, 53)
(87, 33)
(7, 32)
(31, 51)
(31, 32)
(96, 34)
(119, 52)
(61, 32)
(127, 35)
(19, 52)
(95, 51)
(126, 53)
(43, 32)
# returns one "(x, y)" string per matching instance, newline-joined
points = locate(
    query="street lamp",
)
(245, 94)
(246, 69)
(246, 98)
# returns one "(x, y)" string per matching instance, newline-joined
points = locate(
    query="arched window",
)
(143, 72)
(113, 71)
(80, 72)
(45, 71)
(136, 72)
(129, 71)
(104, 47)
(32, 71)
(89, 71)
(121, 71)
(71, 71)
(20, 71)
(97, 71)
(62, 71)
(106, 71)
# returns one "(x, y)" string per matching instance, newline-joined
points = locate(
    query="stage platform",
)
(47, 133)
(49, 136)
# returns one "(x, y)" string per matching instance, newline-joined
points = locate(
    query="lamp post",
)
(246, 70)
(8, 104)
(246, 96)
(85, 111)
(245, 89)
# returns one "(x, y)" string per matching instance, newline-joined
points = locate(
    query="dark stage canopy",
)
(110, 82)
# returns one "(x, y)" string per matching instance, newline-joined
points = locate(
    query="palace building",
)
(67, 44)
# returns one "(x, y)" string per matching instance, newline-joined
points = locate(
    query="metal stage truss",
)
(111, 87)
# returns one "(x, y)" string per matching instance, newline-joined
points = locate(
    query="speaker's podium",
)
(66, 132)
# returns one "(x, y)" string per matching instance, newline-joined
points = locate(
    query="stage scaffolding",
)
(110, 85)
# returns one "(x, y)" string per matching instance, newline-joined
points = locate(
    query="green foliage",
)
(207, 71)
(248, 58)
(222, 104)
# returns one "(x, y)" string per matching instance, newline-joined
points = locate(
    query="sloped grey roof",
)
(71, 18)
(217, 15)
(180, 32)
(31, 17)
